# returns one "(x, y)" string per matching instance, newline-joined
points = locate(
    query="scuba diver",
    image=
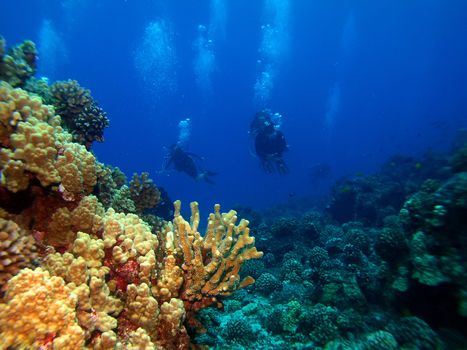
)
(184, 161)
(270, 142)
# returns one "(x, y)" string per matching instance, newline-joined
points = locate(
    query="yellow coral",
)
(34, 144)
(139, 340)
(77, 169)
(32, 149)
(142, 308)
(17, 105)
(86, 271)
(85, 274)
(212, 264)
(41, 308)
(65, 223)
(134, 236)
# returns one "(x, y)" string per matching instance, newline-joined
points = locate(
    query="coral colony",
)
(74, 272)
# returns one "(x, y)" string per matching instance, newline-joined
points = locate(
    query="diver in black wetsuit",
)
(184, 161)
(270, 142)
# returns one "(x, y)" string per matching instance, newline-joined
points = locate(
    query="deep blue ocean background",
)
(355, 82)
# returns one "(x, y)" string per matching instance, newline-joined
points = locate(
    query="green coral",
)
(109, 180)
(39, 87)
(459, 159)
(143, 192)
(292, 316)
(380, 340)
(239, 331)
(122, 202)
(414, 333)
(2, 47)
(19, 64)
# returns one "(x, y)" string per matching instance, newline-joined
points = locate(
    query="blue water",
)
(355, 82)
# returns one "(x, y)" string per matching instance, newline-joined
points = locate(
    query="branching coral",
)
(211, 264)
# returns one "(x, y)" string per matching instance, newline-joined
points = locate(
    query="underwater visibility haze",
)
(336, 130)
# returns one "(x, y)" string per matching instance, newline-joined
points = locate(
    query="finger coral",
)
(211, 264)
(112, 277)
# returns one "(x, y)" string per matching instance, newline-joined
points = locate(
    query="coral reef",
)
(363, 280)
(88, 262)
(371, 198)
(102, 279)
(119, 278)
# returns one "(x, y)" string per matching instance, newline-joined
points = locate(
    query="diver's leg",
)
(281, 166)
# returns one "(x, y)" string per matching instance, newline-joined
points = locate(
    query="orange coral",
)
(211, 265)
(42, 310)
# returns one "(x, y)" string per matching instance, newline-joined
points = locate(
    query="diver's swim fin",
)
(205, 176)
